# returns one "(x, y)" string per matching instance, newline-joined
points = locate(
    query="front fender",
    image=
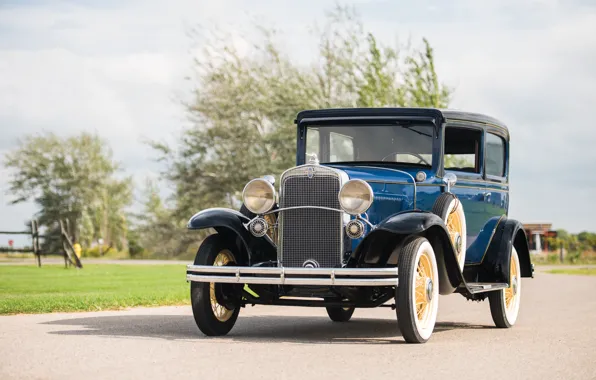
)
(230, 223)
(381, 247)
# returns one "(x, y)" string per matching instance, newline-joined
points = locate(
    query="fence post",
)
(62, 232)
(35, 241)
(70, 256)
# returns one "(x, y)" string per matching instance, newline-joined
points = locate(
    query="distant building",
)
(537, 234)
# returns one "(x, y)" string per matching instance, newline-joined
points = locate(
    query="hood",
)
(379, 174)
(393, 189)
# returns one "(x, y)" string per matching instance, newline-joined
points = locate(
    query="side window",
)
(462, 149)
(495, 155)
(313, 139)
(341, 147)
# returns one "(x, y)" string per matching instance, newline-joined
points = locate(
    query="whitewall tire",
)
(449, 208)
(417, 296)
(504, 304)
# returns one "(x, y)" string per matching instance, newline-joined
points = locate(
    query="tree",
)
(71, 179)
(587, 240)
(243, 106)
(158, 228)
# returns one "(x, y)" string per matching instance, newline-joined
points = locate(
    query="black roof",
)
(440, 115)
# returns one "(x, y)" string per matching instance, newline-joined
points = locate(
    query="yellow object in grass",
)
(77, 249)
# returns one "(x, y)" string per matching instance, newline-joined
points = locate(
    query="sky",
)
(118, 68)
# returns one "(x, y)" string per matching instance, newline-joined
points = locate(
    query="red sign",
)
(550, 234)
(10, 243)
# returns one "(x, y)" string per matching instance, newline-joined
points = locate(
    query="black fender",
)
(494, 266)
(230, 223)
(383, 244)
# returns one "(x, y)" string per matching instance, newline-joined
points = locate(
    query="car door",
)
(463, 156)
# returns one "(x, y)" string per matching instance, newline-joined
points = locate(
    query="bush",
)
(573, 257)
(95, 252)
(135, 250)
(90, 252)
(570, 258)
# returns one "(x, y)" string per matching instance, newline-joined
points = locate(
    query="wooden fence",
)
(68, 252)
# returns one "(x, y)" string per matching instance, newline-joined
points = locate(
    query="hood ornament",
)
(312, 158)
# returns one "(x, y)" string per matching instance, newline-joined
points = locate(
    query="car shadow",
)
(297, 329)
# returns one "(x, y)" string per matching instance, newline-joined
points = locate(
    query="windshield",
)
(410, 144)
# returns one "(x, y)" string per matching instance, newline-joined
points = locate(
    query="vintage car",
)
(386, 207)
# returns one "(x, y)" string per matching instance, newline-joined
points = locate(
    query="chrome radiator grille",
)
(310, 233)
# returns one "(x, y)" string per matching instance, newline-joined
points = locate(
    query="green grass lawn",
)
(51, 288)
(580, 271)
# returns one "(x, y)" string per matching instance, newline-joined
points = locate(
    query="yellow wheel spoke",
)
(419, 273)
(509, 295)
(421, 311)
(420, 298)
(219, 311)
(424, 274)
(455, 227)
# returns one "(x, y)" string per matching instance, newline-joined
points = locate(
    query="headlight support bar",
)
(365, 220)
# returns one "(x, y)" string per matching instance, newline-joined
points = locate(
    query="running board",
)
(481, 287)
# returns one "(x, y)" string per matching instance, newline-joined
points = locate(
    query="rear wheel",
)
(417, 295)
(504, 304)
(215, 307)
(340, 314)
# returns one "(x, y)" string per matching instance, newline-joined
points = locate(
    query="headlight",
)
(355, 197)
(258, 196)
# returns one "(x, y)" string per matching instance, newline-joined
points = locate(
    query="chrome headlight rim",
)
(268, 195)
(365, 205)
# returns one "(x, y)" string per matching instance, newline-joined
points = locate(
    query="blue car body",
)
(403, 203)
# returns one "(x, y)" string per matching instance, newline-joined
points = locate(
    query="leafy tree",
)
(554, 244)
(563, 234)
(135, 249)
(587, 240)
(71, 179)
(244, 106)
(158, 232)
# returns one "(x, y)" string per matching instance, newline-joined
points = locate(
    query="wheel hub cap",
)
(429, 289)
(514, 285)
(458, 242)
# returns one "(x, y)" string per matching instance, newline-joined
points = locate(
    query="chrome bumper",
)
(293, 276)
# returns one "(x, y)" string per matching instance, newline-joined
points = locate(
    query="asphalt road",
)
(555, 338)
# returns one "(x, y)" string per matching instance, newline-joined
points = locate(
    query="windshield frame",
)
(436, 145)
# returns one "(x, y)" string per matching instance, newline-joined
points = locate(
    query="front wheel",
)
(417, 295)
(504, 304)
(215, 307)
